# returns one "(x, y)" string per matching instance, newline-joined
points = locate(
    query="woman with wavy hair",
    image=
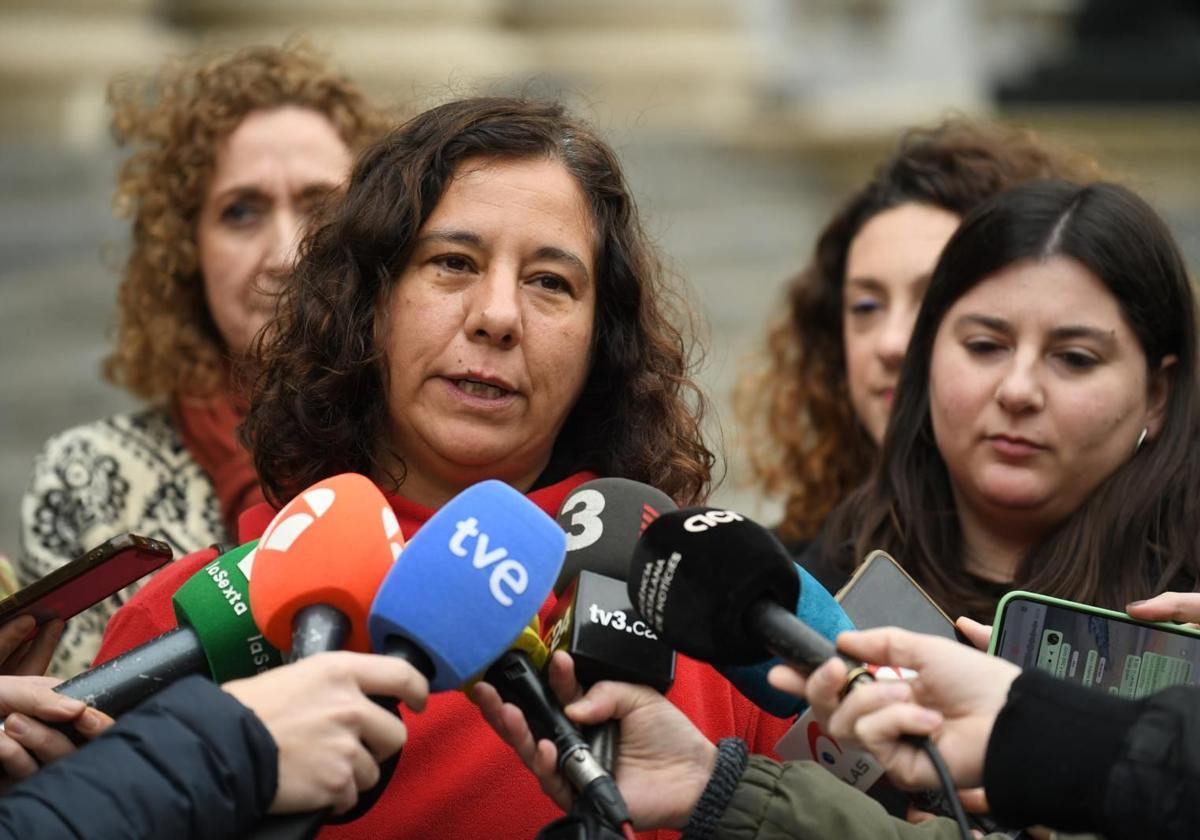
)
(229, 158)
(814, 415)
(1045, 428)
(484, 304)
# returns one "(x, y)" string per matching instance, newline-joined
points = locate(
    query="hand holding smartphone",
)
(31, 619)
(1095, 647)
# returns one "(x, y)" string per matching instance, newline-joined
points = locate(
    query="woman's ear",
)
(1158, 394)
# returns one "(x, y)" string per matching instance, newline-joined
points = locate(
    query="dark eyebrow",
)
(461, 237)
(559, 255)
(921, 281)
(317, 189)
(1104, 337)
(466, 237)
(986, 321)
(869, 282)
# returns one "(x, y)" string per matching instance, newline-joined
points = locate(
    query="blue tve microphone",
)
(816, 608)
(468, 583)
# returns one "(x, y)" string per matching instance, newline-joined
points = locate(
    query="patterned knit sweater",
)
(127, 474)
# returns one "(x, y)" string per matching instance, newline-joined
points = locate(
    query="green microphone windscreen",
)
(215, 602)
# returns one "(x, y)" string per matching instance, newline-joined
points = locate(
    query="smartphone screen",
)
(1120, 656)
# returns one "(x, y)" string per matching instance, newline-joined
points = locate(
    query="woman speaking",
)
(482, 305)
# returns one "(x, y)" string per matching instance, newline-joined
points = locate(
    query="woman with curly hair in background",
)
(229, 158)
(815, 413)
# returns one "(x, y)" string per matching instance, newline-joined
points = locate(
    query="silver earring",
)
(1141, 439)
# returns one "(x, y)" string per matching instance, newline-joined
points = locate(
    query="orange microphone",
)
(319, 564)
(313, 577)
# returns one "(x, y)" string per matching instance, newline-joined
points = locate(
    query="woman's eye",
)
(454, 263)
(552, 283)
(1078, 359)
(864, 306)
(241, 213)
(982, 346)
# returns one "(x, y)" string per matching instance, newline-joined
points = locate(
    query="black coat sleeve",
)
(191, 762)
(1077, 759)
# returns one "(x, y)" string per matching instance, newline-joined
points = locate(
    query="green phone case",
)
(1167, 626)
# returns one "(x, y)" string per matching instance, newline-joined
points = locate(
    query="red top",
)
(456, 777)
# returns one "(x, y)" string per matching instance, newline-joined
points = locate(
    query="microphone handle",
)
(122, 683)
(402, 648)
(789, 638)
(318, 628)
(793, 641)
(604, 740)
(517, 681)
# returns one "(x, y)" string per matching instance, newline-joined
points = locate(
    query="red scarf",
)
(208, 427)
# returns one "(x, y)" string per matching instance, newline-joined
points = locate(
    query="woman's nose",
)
(892, 342)
(1020, 389)
(286, 231)
(493, 309)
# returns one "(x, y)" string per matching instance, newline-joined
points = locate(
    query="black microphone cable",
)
(859, 674)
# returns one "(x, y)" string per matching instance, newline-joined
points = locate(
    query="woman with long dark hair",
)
(1044, 430)
(814, 412)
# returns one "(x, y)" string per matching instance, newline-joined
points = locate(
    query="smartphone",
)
(882, 594)
(1095, 647)
(87, 580)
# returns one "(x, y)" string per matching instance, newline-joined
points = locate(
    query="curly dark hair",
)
(175, 123)
(319, 402)
(1135, 534)
(806, 441)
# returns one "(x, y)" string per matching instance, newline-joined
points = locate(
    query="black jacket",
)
(1081, 760)
(192, 762)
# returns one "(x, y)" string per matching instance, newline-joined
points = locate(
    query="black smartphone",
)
(882, 594)
(87, 580)
(1095, 647)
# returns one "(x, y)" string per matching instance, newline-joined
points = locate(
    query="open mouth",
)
(476, 388)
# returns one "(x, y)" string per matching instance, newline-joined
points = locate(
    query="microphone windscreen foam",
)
(695, 573)
(820, 611)
(333, 544)
(215, 603)
(469, 581)
(603, 520)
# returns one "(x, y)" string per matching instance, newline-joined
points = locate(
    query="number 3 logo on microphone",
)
(584, 509)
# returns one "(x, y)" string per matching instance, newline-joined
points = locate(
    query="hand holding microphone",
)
(953, 701)
(593, 620)
(723, 590)
(516, 678)
(332, 742)
(470, 579)
(27, 743)
(664, 761)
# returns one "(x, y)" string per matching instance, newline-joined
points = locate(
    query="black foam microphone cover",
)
(603, 520)
(696, 573)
